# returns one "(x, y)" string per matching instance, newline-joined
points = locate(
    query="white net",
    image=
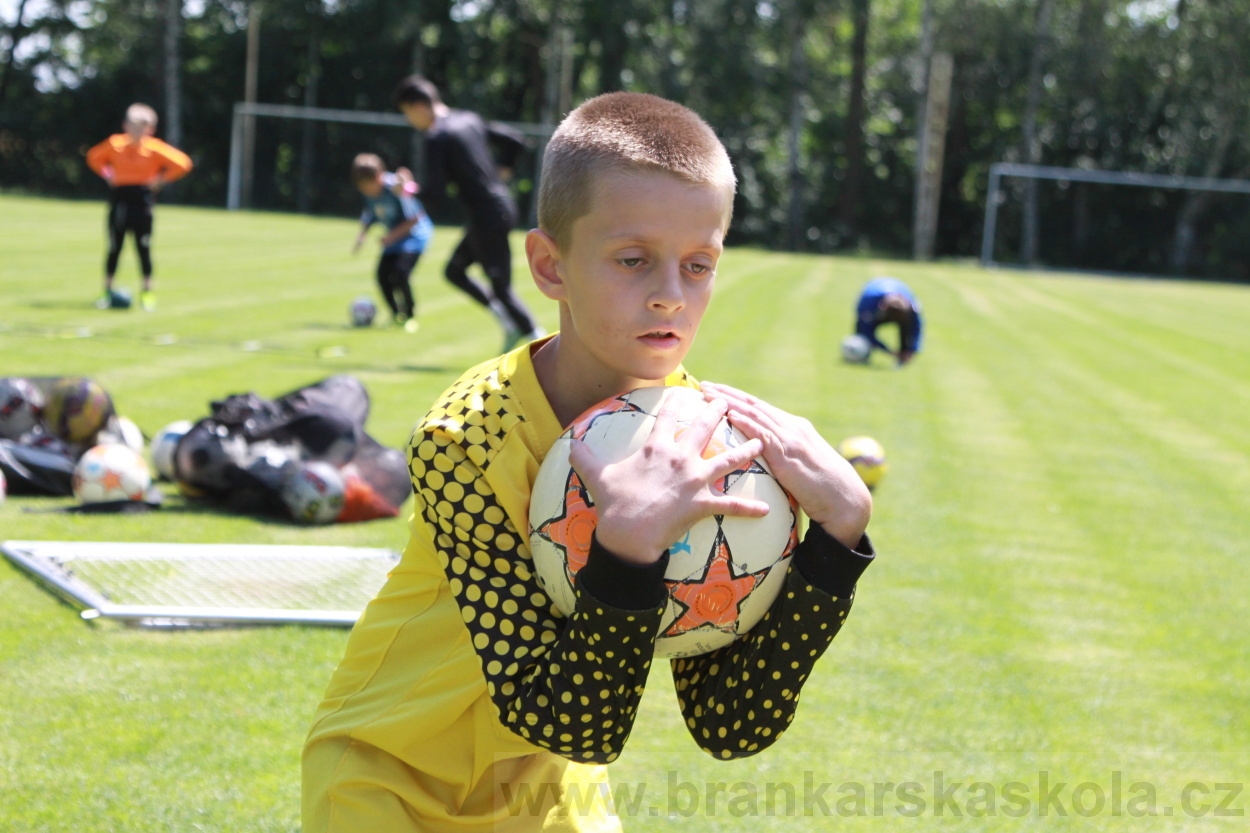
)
(201, 584)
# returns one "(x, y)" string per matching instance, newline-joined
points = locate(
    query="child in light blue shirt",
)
(391, 201)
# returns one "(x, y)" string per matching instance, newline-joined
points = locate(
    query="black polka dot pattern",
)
(572, 684)
(739, 699)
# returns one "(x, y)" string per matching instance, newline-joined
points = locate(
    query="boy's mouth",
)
(661, 336)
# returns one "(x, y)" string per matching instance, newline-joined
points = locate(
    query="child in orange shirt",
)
(135, 164)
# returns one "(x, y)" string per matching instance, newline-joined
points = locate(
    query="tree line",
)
(821, 104)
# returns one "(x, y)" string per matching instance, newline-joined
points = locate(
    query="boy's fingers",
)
(754, 428)
(583, 460)
(665, 420)
(703, 426)
(740, 507)
(736, 458)
(716, 389)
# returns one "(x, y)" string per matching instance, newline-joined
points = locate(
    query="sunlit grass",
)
(1062, 535)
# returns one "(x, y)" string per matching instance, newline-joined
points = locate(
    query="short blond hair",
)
(141, 115)
(622, 133)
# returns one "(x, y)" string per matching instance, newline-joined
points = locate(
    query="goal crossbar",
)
(243, 110)
(1005, 169)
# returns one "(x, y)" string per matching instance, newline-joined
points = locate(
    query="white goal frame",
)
(1012, 169)
(198, 585)
(242, 111)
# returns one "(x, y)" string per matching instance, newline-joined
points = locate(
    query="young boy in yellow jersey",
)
(461, 683)
(136, 165)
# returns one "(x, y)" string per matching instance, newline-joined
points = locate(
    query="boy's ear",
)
(544, 258)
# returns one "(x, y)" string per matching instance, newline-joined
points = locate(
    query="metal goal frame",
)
(201, 585)
(999, 170)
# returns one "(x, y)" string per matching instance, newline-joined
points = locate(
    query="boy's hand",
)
(651, 498)
(406, 183)
(825, 485)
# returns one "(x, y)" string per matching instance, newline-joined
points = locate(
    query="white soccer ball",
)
(120, 429)
(363, 311)
(164, 444)
(314, 492)
(21, 406)
(723, 574)
(856, 349)
(111, 472)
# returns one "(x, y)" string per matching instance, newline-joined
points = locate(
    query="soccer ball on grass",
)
(867, 457)
(722, 575)
(314, 492)
(363, 311)
(21, 405)
(77, 409)
(856, 349)
(111, 472)
(164, 444)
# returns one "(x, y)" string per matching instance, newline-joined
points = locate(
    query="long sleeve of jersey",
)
(508, 143)
(739, 699)
(570, 685)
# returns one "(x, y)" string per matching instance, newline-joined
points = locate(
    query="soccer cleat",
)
(104, 301)
(147, 300)
(411, 326)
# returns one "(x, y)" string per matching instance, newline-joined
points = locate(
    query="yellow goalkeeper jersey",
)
(466, 702)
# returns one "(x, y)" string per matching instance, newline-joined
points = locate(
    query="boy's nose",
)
(667, 292)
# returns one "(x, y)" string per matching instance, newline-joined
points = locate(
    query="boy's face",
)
(370, 187)
(136, 130)
(637, 276)
(419, 115)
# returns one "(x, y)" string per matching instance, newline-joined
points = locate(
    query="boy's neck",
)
(570, 388)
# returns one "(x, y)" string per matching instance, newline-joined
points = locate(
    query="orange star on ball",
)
(714, 598)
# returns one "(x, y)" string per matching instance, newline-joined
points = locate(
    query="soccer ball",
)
(21, 405)
(363, 311)
(314, 492)
(77, 409)
(867, 457)
(111, 472)
(723, 574)
(164, 444)
(856, 349)
(120, 429)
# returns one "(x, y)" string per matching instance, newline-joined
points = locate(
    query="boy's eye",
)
(630, 262)
(700, 268)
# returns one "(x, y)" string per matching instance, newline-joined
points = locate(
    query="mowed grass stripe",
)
(1059, 587)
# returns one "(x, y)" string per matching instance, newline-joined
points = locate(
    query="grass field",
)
(1061, 596)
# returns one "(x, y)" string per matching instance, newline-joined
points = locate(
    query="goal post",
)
(243, 111)
(999, 171)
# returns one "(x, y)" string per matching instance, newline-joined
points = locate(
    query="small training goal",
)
(189, 585)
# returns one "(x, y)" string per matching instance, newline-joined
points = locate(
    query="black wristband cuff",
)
(831, 565)
(617, 583)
